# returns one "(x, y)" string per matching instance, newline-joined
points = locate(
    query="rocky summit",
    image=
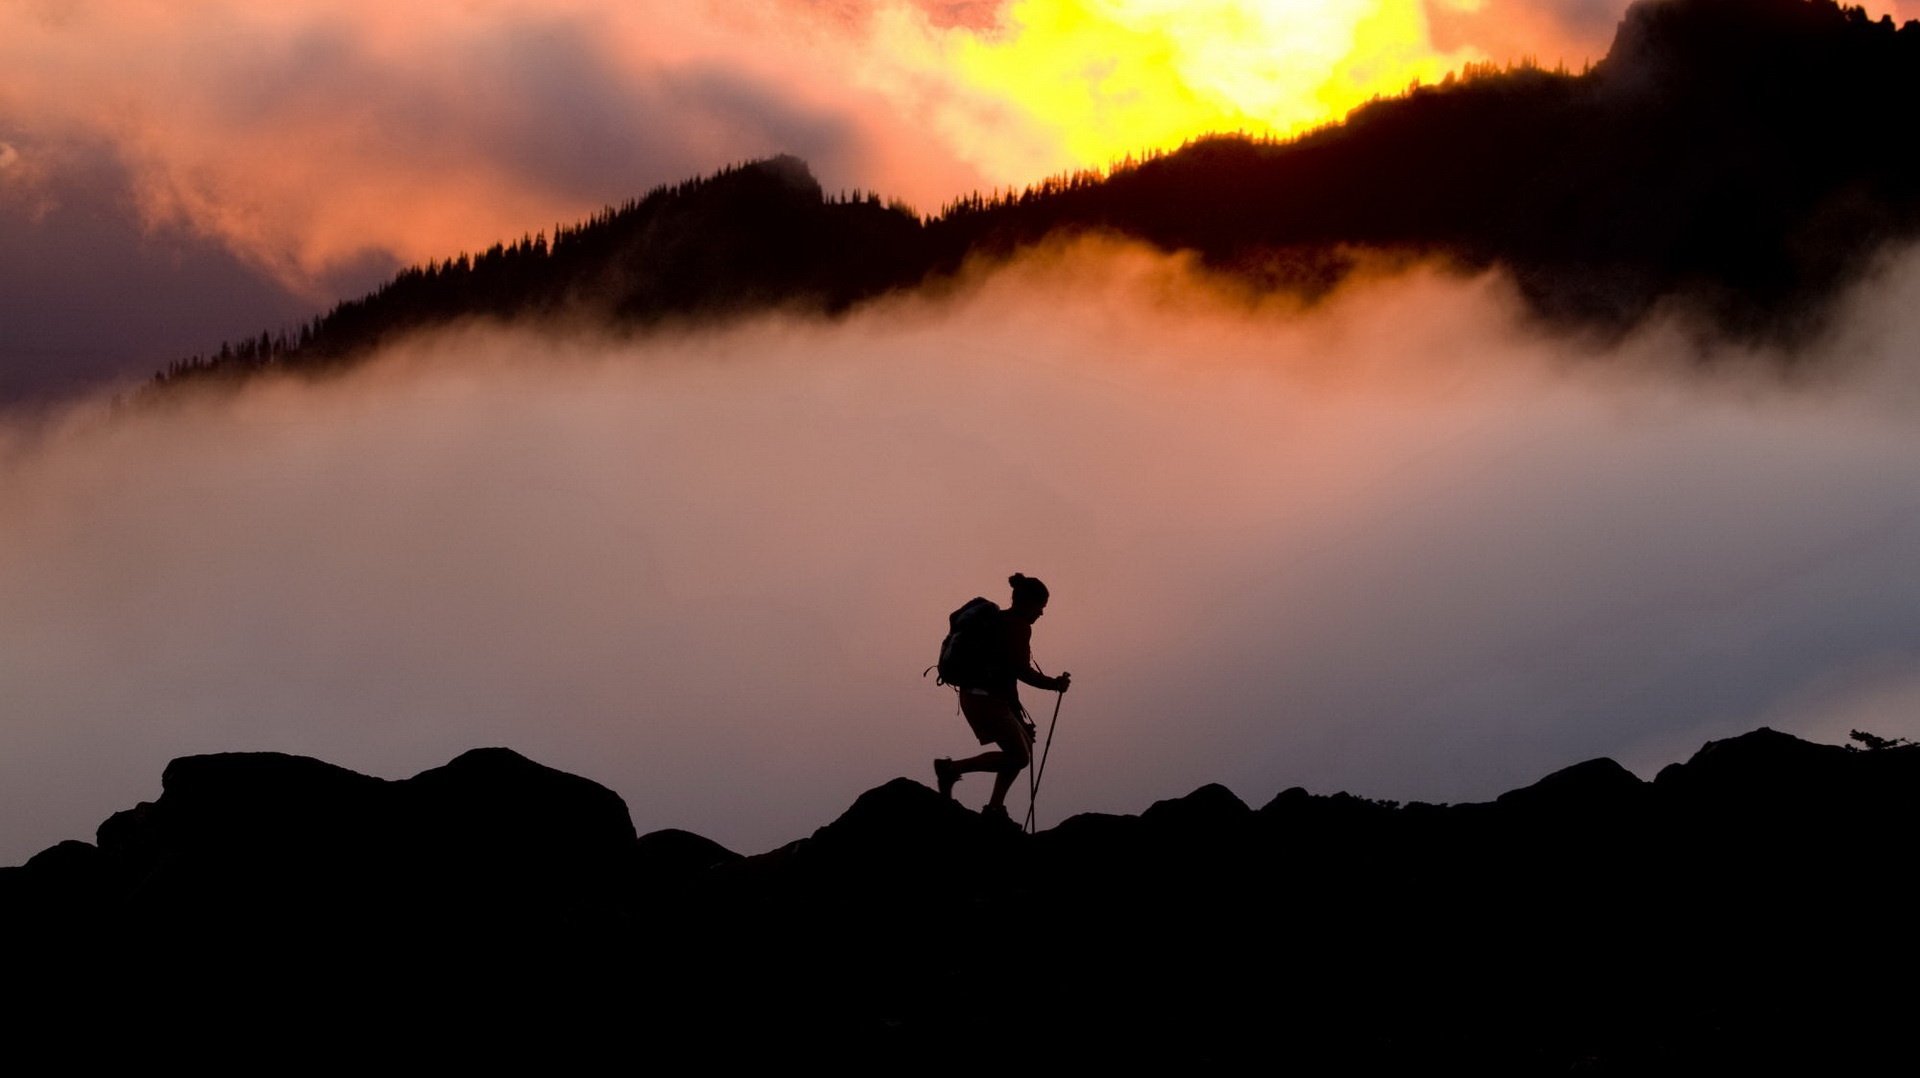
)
(1745, 909)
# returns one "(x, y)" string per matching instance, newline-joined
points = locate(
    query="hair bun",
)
(1027, 589)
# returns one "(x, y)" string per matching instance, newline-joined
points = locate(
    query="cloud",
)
(304, 136)
(89, 297)
(1396, 544)
(1572, 32)
(312, 136)
(219, 169)
(309, 148)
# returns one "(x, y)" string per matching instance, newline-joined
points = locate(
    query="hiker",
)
(990, 694)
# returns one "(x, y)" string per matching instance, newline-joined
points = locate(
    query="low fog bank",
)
(1397, 545)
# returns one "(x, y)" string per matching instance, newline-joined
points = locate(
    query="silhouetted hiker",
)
(987, 654)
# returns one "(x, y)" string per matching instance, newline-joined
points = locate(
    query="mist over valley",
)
(1400, 543)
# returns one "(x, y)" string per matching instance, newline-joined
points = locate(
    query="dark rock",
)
(1290, 799)
(671, 853)
(906, 825)
(259, 790)
(1585, 787)
(1766, 795)
(1744, 907)
(499, 818)
(126, 831)
(1763, 761)
(1295, 805)
(237, 808)
(1093, 828)
(65, 880)
(70, 856)
(1092, 844)
(1212, 805)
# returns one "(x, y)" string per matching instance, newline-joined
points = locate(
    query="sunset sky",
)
(175, 173)
(1402, 542)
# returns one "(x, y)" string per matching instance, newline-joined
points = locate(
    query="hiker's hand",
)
(1061, 683)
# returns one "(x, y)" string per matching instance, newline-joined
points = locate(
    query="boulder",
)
(1592, 786)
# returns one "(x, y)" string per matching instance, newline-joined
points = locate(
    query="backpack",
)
(966, 655)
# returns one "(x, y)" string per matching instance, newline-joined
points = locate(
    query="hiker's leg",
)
(986, 761)
(998, 722)
(988, 718)
(1015, 754)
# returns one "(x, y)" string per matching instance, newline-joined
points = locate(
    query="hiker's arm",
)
(1032, 676)
(1020, 659)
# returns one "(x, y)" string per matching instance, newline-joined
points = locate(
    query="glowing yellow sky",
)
(1114, 77)
(309, 136)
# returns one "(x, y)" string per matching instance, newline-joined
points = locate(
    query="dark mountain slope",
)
(1743, 912)
(1742, 156)
(752, 238)
(1743, 159)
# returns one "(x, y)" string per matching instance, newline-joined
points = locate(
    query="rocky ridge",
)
(1742, 909)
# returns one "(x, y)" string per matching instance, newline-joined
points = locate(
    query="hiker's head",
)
(1029, 597)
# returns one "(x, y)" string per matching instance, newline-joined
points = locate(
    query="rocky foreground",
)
(1749, 908)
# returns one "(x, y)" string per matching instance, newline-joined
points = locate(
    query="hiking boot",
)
(946, 775)
(996, 814)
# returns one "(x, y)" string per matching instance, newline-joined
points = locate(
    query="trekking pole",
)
(1033, 788)
(1033, 776)
(1033, 785)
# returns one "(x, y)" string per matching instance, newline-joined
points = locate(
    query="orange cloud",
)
(308, 136)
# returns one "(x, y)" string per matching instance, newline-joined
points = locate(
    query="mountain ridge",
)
(1739, 160)
(1733, 911)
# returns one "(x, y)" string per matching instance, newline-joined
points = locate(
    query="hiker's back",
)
(970, 655)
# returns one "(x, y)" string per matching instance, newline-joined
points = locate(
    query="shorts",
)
(994, 721)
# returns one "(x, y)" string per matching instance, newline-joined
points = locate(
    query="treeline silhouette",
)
(1740, 159)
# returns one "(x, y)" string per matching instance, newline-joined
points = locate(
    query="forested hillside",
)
(1742, 160)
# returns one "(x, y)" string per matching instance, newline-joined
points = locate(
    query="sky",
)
(174, 173)
(1401, 543)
